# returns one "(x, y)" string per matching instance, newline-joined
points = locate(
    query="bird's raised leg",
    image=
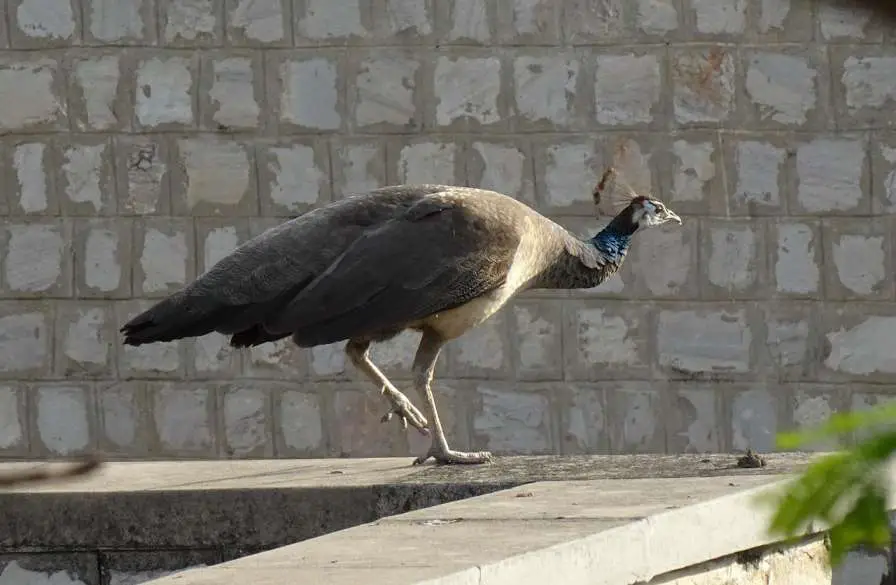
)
(407, 413)
(424, 366)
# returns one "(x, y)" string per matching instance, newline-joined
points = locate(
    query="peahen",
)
(432, 258)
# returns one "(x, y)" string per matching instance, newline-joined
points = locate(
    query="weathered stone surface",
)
(754, 418)
(504, 166)
(298, 415)
(40, 23)
(424, 161)
(583, 419)
(36, 262)
(142, 168)
(839, 22)
(657, 18)
(859, 258)
(164, 360)
(86, 181)
(63, 417)
(85, 336)
(605, 340)
(120, 22)
(191, 22)
(467, 21)
(318, 21)
(758, 179)
(97, 97)
(529, 22)
(214, 176)
(703, 86)
(166, 86)
(184, 418)
(30, 177)
(293, 177)
(725, 19)
(13, 419)
(512, 420)
(796, 257)
(697, 182)
(536, 333)
(785, 20)
(833, 176)
(358, 165)
(124, 418)
(854, 342)
(102, 256)
(704, 341)
(594, 21)
(246, 411)
(33, 89)
(356, 427)
(792, 341)
(547, 92)
(786, 88)
(564, 169)
(812, 405)
(636, 418)
(865, 85)
(664, 262)
(694, 424)
(628, 90)
(734, 259)
(468, 92)
(26, 339)
(483, 352)
(385, 95)
(164, 255)
(61, 569)
(232, 94)
(259, 22)
(306, 92)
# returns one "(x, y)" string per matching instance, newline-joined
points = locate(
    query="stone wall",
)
(142, 140)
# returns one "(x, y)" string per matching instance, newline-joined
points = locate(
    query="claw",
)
(451, 457)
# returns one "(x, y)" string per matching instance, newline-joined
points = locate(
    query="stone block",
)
(85, 340)
(13, 420)
(787, 87)
(395, 357)
(97, 91)
(694, 419)
(883, 169)
(704, 85)
(86, 179)
(232, 91)
(859, 259)
(328, 362)
(43, 24)
(385, 92)
(63, 418)
(164, 256)
(792, 336)
(212, 357)
(358, 165)
(293, 176)
(30, 176)
(696, 179)
(151, 361)
(124, 416)
(403, 21)
(536, 338)
(191, 23)
(467, 22)
(26, 339)
(142, 175)
(606, 340)
(777, 21)
(33, 93)
(566, 171)
(718, 20)
(795, 257)
(248, 424)
(5, 177)
(513, 419)
(734, 259)
(504, 166)
(482, 352)
(422, 160)
(589, 22)
(306, 91)
(548, 91)
(184, 419)
(866, 397)
(320, 22)
(713, 341)
(855, 341)
(61, 568)
(217, 238)
(214, 176)
(583, 419)
(167, 83)
(810, 406)
(657, 20)
(259, 22)
(865, 89)
(355, 424)
(760, 175)
(834, 176)
(848, 22)
(37, 262)
(635, 417)
(467, 89)
(529, 22)
(102, 258)
(664, 261)
(862, 566)
(276, 360)
(754, 413)
(133, 567)
(298, 424)
(628, 89)
(120, 22)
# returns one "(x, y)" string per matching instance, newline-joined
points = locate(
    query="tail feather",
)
(173, 318)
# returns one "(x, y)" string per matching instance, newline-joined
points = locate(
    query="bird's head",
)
(638, 211)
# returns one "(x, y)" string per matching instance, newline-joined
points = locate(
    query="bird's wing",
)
(437, 256)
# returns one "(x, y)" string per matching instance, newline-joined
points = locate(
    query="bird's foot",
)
(451, 457)
(407, 413)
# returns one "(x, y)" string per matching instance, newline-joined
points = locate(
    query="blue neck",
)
(612, 243)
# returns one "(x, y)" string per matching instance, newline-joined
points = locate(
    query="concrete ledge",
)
(131, 515)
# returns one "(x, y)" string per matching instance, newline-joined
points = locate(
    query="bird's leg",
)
(424, 366)
(407, 413)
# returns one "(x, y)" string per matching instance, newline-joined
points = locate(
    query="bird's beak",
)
(672, 216)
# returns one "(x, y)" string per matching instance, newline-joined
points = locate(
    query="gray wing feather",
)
(439, 255)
